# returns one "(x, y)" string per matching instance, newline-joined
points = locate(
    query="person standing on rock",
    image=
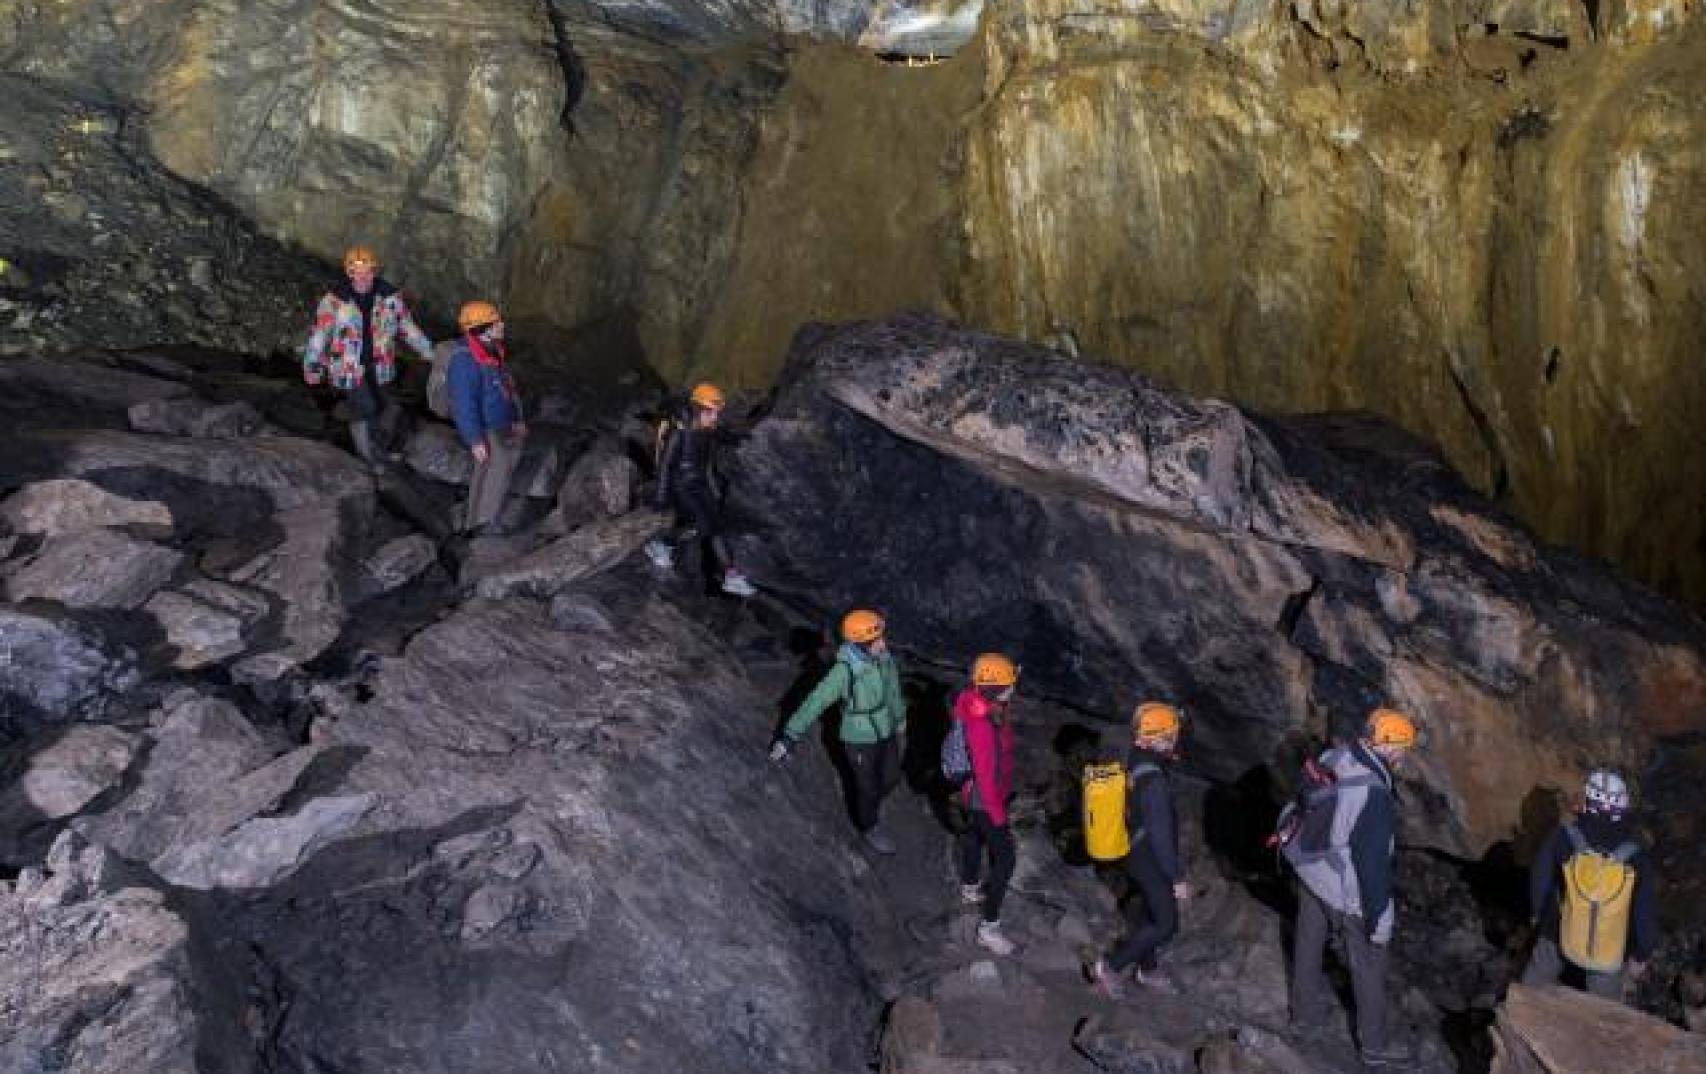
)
(487, 411)
(355, 336)
(686, 463)
(1598, 850)
(981, 711)
(866, 683)
(1347, 891)
(1154, 866)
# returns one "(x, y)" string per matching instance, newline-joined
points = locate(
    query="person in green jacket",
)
(873, 714)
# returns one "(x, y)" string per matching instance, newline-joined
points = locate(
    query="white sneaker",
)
(971, 893)
(989, 936)
(736, 584)
(661, 555)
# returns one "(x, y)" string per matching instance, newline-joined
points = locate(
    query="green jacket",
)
(868, 687)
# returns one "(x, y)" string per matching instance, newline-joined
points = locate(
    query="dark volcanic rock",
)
(53, 665)
(578, 859)
(1126, 541)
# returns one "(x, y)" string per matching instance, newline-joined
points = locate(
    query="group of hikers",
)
(1592, 893)
(1591, 889)
(354, 344)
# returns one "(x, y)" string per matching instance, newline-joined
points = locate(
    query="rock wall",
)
(1477, 218)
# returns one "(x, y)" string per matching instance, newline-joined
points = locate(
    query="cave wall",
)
(1480, 218)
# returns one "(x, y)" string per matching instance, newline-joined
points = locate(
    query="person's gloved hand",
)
(313, 377)
(779, 749)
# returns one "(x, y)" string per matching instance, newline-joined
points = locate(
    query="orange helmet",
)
(360, 257)
(1388, 727)
(1152, 719)
(862, 626)
(707, 396)
(477, 314)
(993, 669)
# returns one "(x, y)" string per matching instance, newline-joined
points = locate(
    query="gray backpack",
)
(438, 382)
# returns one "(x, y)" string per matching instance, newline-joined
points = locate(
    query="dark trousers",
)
(1153, 919)
(1316, 922)
(876, 771)
(981, 834)
(697, 518)
(1546, 965)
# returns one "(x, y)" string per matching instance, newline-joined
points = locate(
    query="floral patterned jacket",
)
(337, 337)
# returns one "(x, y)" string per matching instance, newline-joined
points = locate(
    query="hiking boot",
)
(736, 584)
(1387, 1057)
(1158, 981)
(971, 894)
(661, 555)
(878, 842)
(990, 938)
(1104, 980)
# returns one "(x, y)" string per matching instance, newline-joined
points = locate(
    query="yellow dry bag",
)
(1105, 835)
(1593, 914)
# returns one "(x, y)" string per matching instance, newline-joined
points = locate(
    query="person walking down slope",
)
(686, 463)
(486, 409)
(1153, 865)
(355, 339)
(1347, 890)
(982, 712)
(866, 683)
(1593, 871)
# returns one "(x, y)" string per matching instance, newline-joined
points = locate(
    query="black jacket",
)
(688, 459)
(1373, 838)
(1604, 834)
(1149, 807)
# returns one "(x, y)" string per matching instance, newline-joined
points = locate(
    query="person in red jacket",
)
(982, 710)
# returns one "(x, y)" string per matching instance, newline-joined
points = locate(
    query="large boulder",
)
(56, 667)
(575, 851)
(95, 975)
(100, 568)
(1556, 1030)
(1126, 541)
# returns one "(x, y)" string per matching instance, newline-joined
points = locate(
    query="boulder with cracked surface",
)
(1125, 541)
(1553, 1030)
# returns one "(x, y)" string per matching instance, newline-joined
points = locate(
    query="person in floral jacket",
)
(355, 341)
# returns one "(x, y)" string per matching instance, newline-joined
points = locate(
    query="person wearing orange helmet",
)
(685, 484)
(980, 713)
(1345, 889)
(354, 341)
(486, 409)
(866, 683)
(1154, 865)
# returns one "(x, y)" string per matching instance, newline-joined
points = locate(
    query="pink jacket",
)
(991, 749)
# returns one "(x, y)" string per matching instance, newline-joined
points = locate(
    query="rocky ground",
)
(291, 781)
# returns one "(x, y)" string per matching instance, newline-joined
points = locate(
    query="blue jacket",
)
(483, 399)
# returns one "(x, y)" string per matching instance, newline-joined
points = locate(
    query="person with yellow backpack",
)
(1152, 863)
(1592, 893)
(866, 683)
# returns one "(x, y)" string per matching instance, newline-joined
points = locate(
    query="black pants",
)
(1316, 922)
(1153, 919)
(697, 518)
(366, 400)
(1003, 854)
(876, 771)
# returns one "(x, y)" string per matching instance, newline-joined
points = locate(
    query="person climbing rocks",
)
(1153, 865)
(486, 409)
(866, 683)
(1346, 891)
(982, 710)
(1593, 869)
(686, 469)
(355, 336)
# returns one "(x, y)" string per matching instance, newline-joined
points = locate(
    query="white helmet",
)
(1606, 792)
